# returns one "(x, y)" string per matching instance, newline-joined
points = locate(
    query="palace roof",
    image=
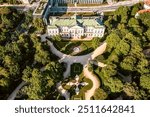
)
(76, 21)
(147, 2)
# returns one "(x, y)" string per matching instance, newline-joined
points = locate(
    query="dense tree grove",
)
(9, 18)
(38, 24)
(127, 73)
(25, 58)
(100, 94)
(10, 1)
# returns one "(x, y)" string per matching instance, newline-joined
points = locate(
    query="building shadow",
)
(58, 8)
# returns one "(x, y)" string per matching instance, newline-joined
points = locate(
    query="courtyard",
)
(67, 47)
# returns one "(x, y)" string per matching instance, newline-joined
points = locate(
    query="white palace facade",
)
(80, 1)
(76, 27)
(25, 1)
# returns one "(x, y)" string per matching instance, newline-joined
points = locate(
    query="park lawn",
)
(60, 44)
(86, 48)
(76, 69)
(109, 13)
(67, 47)
(83, 89)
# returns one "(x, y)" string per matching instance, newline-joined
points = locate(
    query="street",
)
(24, 7)
(55, 9)
(102, 8)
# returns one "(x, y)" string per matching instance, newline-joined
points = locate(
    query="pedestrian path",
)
(95, 81)
(14, 93)
(83, 59)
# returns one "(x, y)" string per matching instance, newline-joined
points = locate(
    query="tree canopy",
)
(126, 39)
(24, 57)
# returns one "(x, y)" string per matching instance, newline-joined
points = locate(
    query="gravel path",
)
(76, 59)
(99, 64)
(14, 93)
(84, 59)
(70, 60)
(100, 50)
(62, 91)
(95, 81)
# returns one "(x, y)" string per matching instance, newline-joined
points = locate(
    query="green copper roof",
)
(74, 21)
(52, 27)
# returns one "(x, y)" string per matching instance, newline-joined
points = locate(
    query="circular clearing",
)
(76, 49)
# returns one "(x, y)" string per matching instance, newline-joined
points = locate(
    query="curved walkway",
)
(14, 93)
(62, 91)
(100, 50)
(69, 60)
(94, 79)
(99, 64)
(83, 59)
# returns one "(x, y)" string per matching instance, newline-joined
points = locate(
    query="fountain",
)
(77, 83)
(76, 49)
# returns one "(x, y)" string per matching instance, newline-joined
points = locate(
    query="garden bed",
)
(83, 89)
(76, 69)
(67, 47)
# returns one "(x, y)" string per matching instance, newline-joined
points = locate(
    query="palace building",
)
(147, 4)
(76, 27)
(80, 1)
(26, 1)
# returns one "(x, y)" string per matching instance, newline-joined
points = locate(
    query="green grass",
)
(76, 97)
(83, 89)
(109, 13)
(89, 86)
(67, 47)
(76, 69)
(67, 87)
(81, 95)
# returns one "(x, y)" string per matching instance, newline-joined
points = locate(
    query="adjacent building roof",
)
(147, 2)
(146, 6)
(144, 11)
